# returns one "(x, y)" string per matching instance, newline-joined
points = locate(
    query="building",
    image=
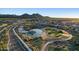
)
(21, 30)
(34, 33)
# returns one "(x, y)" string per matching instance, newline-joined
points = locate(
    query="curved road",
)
(43, 48)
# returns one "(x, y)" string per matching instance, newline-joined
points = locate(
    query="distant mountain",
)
(34, 17)
(20, 16)
(8, 16)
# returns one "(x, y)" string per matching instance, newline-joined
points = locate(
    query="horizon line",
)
(45, 15)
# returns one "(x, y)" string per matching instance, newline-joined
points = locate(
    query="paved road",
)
(14, 43)
(21, 39)
(43, 48)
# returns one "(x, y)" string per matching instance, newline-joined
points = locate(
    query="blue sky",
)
(52, 12)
